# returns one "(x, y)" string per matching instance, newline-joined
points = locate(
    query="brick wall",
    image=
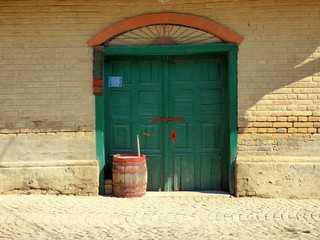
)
(46, 68)
(279, 81)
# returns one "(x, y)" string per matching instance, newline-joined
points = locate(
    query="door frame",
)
(229, 49)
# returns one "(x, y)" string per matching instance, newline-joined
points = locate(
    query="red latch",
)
(166, 119)
(173, 135)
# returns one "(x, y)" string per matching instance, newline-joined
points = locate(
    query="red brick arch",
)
(188, 20)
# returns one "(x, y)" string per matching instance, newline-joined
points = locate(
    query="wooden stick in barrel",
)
(138, 144)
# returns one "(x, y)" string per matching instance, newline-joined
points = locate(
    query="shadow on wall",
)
(283, 82)
(280, 94)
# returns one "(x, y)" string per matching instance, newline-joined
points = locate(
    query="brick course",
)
(46, 66)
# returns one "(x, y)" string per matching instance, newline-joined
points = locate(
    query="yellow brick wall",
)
(46, 66)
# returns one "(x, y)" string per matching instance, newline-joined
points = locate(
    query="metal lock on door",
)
(173, 135)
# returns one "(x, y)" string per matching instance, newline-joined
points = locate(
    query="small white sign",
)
(115, 81)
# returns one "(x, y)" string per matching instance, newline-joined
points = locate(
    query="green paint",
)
(233, 113)
(129, 109)
(99, 102)
(167, 164)
(169, 50)
(196, 94)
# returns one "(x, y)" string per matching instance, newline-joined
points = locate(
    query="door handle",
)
(168, 120)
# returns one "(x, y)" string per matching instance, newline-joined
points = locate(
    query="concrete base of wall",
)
(48, 163)
(75, 177)
(284, 177)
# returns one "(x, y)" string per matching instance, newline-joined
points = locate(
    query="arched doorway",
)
(179, 19)
(172, 79)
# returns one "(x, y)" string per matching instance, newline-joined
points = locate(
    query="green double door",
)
(177, 105)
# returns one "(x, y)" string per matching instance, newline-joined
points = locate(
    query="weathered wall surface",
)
(278, 165)
(47, 147)
(281, 176)
(48, 163)
(46, 76)
(78, 177)
(46, 65)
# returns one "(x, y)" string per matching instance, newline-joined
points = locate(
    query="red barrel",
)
(129, 175)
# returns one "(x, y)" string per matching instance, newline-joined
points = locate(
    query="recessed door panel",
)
(177, 105)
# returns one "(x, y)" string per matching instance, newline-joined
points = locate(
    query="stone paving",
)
(158, 216)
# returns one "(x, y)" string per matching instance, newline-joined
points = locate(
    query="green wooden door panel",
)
(196, 93)
(191, 88)
(129, 109)
(197, 172)
(210, 176)
(155, 172)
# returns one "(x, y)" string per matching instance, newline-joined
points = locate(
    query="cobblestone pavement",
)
(158, 216)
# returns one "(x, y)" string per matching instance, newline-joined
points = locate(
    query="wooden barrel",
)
(129, 175)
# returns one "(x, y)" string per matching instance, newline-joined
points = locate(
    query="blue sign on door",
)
(115, 81)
